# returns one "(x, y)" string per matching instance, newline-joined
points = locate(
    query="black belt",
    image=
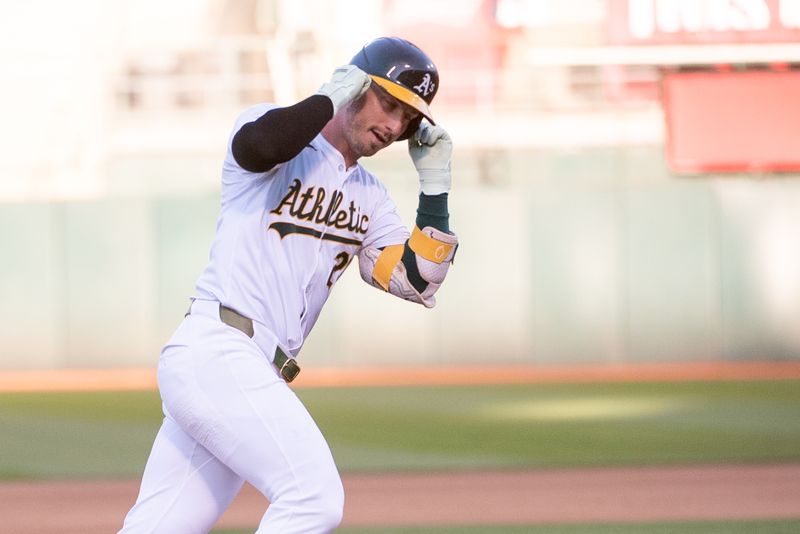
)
(287, 366)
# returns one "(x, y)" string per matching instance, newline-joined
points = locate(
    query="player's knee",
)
(327, 506)
(315, 508)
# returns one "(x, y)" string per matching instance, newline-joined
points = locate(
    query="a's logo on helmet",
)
(426, 86)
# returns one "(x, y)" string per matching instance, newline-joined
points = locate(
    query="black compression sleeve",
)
(281, 133)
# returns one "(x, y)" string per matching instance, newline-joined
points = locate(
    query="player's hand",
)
(347, 83)
(430, 148)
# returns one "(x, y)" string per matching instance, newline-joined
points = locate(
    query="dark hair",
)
(358, 104)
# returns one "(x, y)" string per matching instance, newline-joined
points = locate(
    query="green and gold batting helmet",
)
(404, 71)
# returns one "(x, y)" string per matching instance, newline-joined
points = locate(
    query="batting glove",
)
(430, 148)
(347, 83)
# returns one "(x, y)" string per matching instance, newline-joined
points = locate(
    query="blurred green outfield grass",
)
(90, 435)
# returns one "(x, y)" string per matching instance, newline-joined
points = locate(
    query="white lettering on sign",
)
(646, 17)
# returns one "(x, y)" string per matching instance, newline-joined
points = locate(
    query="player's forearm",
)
(416, 269)
(280, 134)
(432, 211)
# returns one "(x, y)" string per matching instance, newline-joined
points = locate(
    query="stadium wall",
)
(595, 255)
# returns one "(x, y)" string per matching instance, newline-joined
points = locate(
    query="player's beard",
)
(359, 132)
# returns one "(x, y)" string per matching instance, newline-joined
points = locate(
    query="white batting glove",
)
(430, 148)
(347, 83)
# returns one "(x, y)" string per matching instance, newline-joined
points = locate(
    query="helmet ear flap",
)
(413, 126)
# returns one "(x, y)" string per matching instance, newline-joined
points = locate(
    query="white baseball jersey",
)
(285, 236)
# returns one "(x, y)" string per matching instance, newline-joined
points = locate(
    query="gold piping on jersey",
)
(286, 228)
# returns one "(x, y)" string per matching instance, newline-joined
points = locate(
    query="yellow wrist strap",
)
(429, 248)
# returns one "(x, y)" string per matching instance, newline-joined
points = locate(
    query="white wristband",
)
(435, 182)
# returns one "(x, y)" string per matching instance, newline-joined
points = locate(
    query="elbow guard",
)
(433, 252)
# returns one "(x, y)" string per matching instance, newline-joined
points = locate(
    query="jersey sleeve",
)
(386, 227)
(232, 172)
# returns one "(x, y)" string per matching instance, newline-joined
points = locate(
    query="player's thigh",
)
(184, 487)
(234, 403)
(282, 449)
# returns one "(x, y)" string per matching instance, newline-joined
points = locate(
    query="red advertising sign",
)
(654, 22)
(737, 121)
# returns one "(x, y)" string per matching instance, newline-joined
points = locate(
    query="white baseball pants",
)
(230, 418)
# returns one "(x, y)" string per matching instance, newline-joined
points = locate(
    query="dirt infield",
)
(601, 495)
(19, 381)
(648, 494)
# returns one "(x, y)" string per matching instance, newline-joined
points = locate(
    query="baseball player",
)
(296, 208)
